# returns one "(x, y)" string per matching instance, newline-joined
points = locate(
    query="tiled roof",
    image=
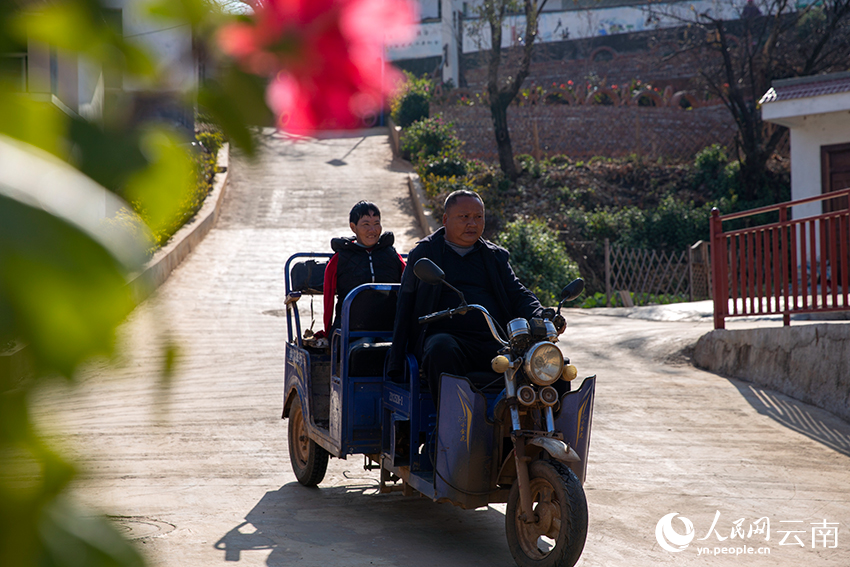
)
(802, 87)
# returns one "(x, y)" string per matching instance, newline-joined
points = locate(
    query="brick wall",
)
(584, 131)
(651, 66)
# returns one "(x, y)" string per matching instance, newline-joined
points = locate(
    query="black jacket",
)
(416, 298)
(357, 265)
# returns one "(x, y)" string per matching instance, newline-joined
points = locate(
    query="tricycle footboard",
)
(464, 467)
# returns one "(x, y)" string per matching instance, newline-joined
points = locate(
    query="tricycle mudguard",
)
(465, 441)
(574, 420)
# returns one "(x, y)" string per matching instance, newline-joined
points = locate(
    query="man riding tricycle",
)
(514, 433)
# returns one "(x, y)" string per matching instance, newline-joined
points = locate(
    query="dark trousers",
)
(445, 353)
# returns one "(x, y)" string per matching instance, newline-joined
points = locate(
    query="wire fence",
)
(635, 276)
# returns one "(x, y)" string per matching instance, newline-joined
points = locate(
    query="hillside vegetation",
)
(632, 202)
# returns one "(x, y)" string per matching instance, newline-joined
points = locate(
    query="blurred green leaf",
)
(166, 182)
(73, 538)
(66, 291)
(31, 475)
(194, 11)
(236, 101)
(109, 157)
(67, 25)
(63, 280)
(37, 123)
(80, 27)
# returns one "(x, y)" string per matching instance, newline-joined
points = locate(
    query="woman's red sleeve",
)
(329, 292)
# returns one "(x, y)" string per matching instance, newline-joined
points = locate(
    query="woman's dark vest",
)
(357, 265)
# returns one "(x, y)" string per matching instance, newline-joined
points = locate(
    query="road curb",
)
(167, 258)
(417, 193)
(427, 219)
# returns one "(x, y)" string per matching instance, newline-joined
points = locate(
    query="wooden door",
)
(835, 171)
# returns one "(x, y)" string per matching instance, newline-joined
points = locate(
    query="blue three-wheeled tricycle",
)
(523, 440)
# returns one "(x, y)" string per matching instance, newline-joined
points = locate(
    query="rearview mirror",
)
(429, 272)
(572, 290)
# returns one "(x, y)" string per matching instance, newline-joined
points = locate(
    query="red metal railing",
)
(780, 268)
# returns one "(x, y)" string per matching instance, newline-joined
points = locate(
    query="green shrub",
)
(438, 188)
(211, 140)
(714, 174)
(530, 165)
(538, 258)
(413, 107)
(447, 164)
(413, 95)
(204, 162)
(428, 138)
(617, 225)
(125, 221)
(596, 300)
(673, 225)
(556, 160)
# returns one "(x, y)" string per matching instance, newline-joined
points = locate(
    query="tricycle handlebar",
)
(463, 310)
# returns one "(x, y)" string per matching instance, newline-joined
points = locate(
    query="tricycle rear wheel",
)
(556, 538)
(309, 461)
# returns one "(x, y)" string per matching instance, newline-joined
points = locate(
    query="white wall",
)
(169, 44)
(428, 42)
(809, 132)
(812, 132)
(432, 36)
(580, 24)
(90, 90)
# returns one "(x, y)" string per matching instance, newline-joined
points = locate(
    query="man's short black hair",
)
(363, 209)
(459, 194)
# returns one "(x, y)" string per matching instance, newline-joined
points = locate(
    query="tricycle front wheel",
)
(309, 461)
(556, 536)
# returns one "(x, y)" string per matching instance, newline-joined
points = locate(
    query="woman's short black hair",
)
(363, 209)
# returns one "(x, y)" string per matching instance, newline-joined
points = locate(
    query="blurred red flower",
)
(324, 58)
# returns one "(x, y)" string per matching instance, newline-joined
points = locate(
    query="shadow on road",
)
(813, 422)
(356, 523)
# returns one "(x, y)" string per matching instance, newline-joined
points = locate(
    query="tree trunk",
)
(499, 112)
(501, 96)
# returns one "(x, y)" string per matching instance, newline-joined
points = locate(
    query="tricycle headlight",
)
(544, 363)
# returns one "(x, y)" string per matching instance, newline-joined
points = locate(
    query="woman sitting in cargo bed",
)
(366, 257)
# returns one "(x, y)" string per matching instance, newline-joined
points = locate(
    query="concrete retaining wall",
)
(808, 362)
(427, 220)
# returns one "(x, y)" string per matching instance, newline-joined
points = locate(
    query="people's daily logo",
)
(669, 538)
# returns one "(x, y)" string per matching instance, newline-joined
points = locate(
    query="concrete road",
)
(197, 470)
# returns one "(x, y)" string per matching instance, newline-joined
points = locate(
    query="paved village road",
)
(198, 471)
